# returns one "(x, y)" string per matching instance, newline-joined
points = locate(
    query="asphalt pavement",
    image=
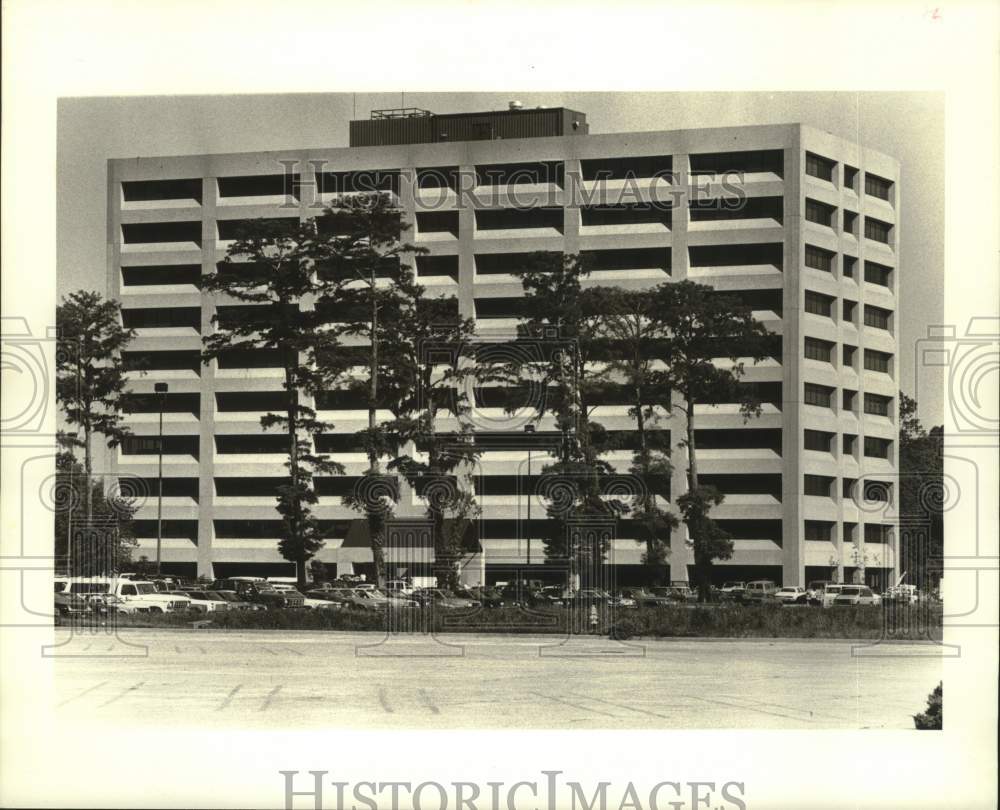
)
(308, 680)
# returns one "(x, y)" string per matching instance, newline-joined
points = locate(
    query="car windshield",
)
(225, 596)
(850, 591)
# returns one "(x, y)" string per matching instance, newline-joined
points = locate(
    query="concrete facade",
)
(163, 233)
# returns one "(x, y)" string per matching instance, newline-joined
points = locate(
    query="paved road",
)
(274, 679)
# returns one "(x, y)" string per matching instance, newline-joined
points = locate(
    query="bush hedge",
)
(711, 621)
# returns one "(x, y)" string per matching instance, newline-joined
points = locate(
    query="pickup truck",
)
(139, 593)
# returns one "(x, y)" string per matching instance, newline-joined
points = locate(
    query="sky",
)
(907, 125)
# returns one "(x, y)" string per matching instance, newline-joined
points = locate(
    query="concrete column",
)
(206, 415)
(680, 555)
(792, 352)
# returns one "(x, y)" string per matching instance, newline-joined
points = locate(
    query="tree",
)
(565, 322)
(704, 340)
(921, 496)
(931, 719)
(270, 268)
(94, 544)
(631, 329)
(91, 374)
(363, 245)
(426, 371)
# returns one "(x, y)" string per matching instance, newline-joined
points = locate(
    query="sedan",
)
(644, 599)
(856, 595)
(438, 597)
(791, 595)
(206, 601)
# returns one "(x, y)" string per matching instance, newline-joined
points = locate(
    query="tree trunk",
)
(293, 472)
(88, 466)
(702, 566)
(376, 525)
(373, 375)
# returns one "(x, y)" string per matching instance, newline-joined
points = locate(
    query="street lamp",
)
(161, 390)
(529, 429)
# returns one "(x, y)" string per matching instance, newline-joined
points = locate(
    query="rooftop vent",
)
(515, 105)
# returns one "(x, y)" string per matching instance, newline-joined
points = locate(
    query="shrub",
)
(676, 621)
(930, 719)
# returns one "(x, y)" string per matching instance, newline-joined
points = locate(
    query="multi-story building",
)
(811, 244)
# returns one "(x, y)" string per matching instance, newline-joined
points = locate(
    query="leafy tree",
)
(94, 544)
(270, 269)
(91, 374)
(921, 496)
(631, 329)
(362, 245)
(566, 321)
(425, 374)
(704, 338)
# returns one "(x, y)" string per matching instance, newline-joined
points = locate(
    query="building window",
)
(876, 533)
(850, 439)
(818, 530)
(848, 399)
(817, 395)
(817, 485)
(819, 440)
(820, 167)
(877, 186)
(877, 361)
(847, 487)
(820, 213)
(876, 447)
(850, 221)
(878, 274)
(819, 304)
(848, 262)
(877, 491)
(877, 405)
(848, 310)
(877, 317)
(818, 350)
(877, 230)
(848, 355)
(819, 259)
(850, 178)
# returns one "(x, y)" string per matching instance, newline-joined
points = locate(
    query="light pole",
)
(529, 429)
(161, 390)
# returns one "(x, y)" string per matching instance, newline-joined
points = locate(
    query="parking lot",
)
(300, 679)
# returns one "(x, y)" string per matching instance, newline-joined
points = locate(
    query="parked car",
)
(733, 590)
(236, 602)
(259, 590)
(675, 593)
(830, 592)
(585, 597)
(395, 599)
(70, 604)
(856, 595)
(342, 597)
(144, 594)
(486, 596)
(760, 590)
(399, 586)
(438, 597)
(647, 598)
(206, 601)
(791, 595)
